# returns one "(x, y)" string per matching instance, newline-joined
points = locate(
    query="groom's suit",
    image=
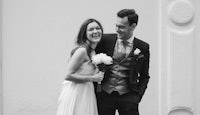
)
(134, 85)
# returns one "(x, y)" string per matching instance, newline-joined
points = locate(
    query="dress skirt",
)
(77, 99)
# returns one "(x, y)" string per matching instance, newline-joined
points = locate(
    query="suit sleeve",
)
(101, 46)
(144, 73)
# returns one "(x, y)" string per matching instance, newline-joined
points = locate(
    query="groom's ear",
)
(133, 25)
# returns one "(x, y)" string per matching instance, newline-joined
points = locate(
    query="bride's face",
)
(94, 32)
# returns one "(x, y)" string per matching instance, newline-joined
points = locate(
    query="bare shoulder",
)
(80, 52)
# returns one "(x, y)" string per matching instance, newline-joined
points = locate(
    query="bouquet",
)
(101, 61)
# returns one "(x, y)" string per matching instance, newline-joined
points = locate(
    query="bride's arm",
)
(77, 59)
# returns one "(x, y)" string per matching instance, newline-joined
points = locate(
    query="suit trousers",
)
(109, 103)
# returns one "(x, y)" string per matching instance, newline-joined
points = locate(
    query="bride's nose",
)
(95, 31)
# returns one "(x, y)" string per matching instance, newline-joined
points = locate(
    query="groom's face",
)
(123, 29)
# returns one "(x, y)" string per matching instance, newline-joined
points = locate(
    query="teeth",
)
(95, 35)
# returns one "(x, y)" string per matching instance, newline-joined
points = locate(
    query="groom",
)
(125, 82)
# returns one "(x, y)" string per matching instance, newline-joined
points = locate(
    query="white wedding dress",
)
(78, 98)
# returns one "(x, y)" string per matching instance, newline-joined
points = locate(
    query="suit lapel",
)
(134, 47)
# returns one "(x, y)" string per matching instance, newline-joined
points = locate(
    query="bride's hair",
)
(82, 37)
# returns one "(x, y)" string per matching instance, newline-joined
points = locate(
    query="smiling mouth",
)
(96, 35)
(119, 34)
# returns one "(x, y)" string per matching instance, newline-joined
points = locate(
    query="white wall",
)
(38, 36)
(1, 57)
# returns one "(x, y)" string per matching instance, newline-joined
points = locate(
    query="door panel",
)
(179, 52)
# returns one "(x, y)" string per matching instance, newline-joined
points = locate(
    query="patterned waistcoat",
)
(117, 77)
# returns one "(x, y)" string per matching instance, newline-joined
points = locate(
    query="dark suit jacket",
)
(139, 74)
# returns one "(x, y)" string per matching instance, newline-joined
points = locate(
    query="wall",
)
(38, 36)
(1, 57)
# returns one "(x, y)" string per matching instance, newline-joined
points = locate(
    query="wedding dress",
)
(78, 98)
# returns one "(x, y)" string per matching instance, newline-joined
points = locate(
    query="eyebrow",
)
(119, 25)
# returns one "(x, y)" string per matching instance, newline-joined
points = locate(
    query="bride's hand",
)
(98, 77)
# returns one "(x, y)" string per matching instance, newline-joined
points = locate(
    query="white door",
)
(179, 54)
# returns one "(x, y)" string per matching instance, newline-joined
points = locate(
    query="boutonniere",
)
(137, 51)
(138, 54)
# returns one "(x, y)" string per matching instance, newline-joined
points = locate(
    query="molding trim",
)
(1, 92)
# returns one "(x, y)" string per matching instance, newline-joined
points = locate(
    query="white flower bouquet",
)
(101, 61)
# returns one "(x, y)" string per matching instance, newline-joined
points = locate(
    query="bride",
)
(77, 96)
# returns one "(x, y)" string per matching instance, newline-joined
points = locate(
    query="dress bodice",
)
(87, 68)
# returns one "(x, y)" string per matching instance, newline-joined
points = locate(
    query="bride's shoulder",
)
(80, 53)
(79, 50)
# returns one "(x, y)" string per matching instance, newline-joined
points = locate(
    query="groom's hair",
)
(131, 15)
